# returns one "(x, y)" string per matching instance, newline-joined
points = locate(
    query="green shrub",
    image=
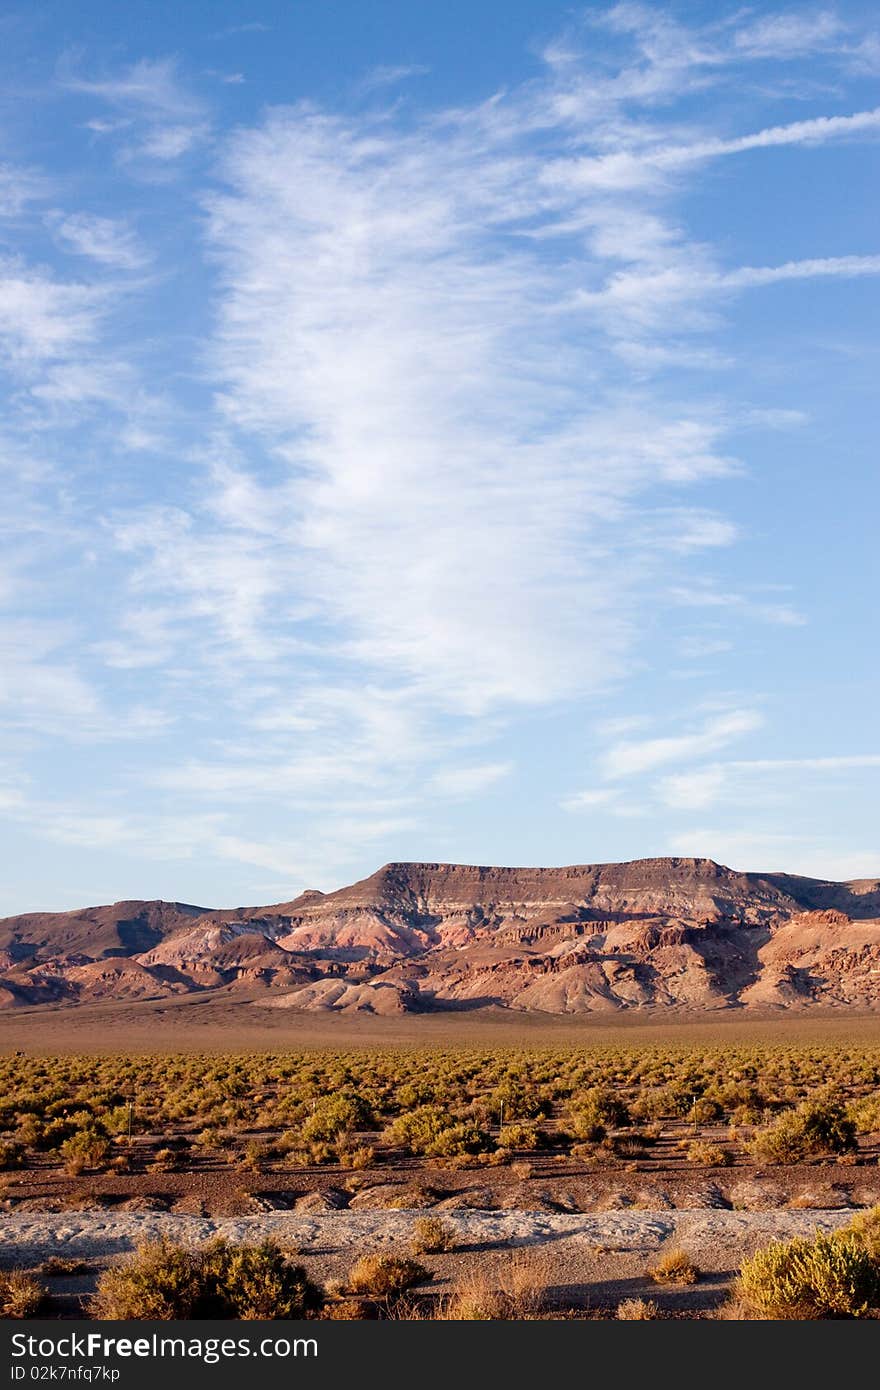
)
(416, 1130)
(253, 1283)
(334, 1115)
(117, 1120)
(865, 1113)
(430, 1131)
(414, 1093)
(523, 1135)
(816, 1127)
(459, 1141)
(827, 1277)
(663, 1102)
(158, 1283)
(87, 1148)
(741, 1100)
(595, 1111)
(520, 1102)
(705, 1111)
(864, 1229)
(163, 1282)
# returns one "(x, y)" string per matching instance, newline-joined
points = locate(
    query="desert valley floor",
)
(583, 1222)
(602, 1088)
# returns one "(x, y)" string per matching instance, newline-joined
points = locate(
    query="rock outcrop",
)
(654, 934)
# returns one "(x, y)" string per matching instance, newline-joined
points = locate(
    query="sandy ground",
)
(195, 1023)
(587, 1262)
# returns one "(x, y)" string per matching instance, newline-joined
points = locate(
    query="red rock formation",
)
(666, 934)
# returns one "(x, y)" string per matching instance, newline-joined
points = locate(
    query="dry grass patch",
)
(637, 1310)
(711, 1155)
(514, 1293)
(674, 1267)
(385, 1276)
(59, 1265)
(431, 1236)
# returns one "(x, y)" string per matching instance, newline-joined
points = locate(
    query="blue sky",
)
(434, 432)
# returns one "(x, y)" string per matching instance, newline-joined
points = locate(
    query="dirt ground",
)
(592, 1227)
(587, 1264)
(592, 1230)
(195, 1023)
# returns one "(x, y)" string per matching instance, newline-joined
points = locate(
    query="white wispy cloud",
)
(158, 118)
(748, 781)
(388, 76)
(788, 35)
(704, 594)
(641, 298)
(590, 798)
(694, 790)
(414, 379)
(19, 187)
(449, 512)
(642, 168)
(630, 757)
(449, 474)
(107, 240)
(44, 690)
(150, 85)
(42, 317)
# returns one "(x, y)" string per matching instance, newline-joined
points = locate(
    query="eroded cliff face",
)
(654, 934)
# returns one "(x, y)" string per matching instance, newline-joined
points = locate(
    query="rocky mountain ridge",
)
(656, 934)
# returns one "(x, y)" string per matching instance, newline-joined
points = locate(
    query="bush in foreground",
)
(827, 1277)
(675, 1267)
(158, 1283)
(21, 1294)
(385, 1276)
(864, 1229)
(163, 1281)
(253, 1282)
(637, 1310)
(431, 1236)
